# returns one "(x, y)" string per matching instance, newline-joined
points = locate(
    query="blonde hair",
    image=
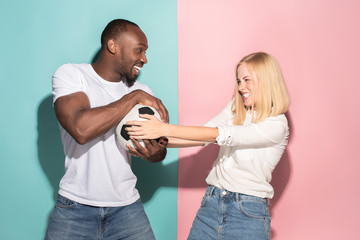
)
(272, 97)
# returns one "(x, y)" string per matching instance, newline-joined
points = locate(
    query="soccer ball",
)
(133, 115)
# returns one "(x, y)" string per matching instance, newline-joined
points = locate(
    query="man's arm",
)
(85, 123)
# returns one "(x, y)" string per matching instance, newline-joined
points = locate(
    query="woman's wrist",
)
(166, 129)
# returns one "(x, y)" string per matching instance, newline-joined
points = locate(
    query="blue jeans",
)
(227, 215)
(72, 221)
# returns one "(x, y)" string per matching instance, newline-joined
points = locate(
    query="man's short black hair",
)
(114, 29)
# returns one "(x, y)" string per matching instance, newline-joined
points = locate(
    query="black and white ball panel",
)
(122, 135)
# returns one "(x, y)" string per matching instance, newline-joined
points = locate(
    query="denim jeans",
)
(72, 220)
(226, 215)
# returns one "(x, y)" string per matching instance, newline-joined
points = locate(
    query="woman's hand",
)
(151, 129)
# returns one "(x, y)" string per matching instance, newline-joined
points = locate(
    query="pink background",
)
(317, 45)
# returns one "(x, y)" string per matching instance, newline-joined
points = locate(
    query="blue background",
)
(36, 38)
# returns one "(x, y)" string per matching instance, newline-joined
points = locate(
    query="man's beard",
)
(129, 80)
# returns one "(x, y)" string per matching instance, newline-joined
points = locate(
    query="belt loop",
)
(237, 197)
(211, 191)
(268, 201)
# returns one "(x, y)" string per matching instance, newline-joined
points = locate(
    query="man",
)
(97, 196)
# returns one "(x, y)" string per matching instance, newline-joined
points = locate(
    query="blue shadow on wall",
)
(50, 151)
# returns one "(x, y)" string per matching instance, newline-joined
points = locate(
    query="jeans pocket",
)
(63, 202)
(254, 209)
(204, 199)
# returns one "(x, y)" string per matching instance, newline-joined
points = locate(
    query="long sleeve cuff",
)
(225, 136)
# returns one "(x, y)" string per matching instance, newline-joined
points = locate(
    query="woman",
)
(252, 132)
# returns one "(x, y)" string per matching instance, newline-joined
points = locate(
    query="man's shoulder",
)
(72, 67)
(71, 71)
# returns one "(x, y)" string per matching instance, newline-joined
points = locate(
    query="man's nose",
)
(144, 59)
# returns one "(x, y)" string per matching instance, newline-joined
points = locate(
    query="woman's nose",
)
(241, 86)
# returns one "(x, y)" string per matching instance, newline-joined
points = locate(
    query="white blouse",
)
(248, 153)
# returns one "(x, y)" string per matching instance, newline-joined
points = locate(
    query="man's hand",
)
(144, 98)
(153, 151)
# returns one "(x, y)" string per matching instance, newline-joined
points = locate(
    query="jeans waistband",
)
(214, 191)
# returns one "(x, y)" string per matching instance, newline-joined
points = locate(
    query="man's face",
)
(131, 55)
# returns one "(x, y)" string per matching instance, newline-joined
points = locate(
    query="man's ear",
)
(111, 46)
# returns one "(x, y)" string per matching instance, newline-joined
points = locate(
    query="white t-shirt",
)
(248, 153)
(97, 173)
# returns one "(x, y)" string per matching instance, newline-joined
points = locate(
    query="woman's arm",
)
(182, 143)
(271, 132)
(153, 128)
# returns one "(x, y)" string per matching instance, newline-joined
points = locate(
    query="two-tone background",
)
(194, 46)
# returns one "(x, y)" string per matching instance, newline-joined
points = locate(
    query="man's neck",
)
(105, 70)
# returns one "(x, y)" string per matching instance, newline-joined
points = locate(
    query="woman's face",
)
(247, 86)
